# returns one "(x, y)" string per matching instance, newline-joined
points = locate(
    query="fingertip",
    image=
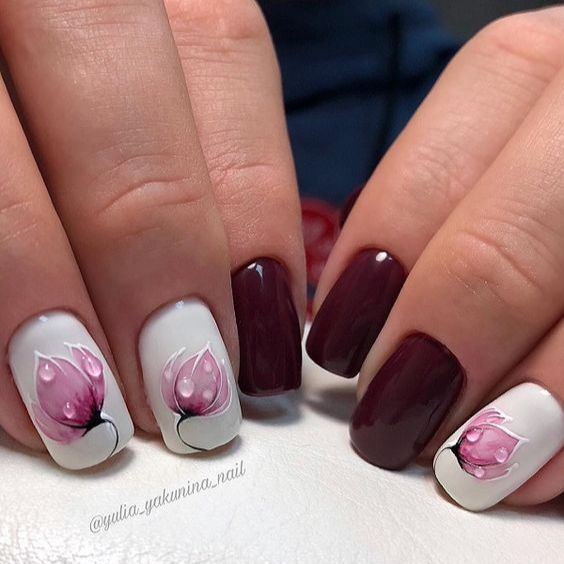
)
(545, 485)
(143, 418)
(23, 434)
(14, 419)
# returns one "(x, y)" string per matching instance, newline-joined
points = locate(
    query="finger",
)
(476, 106)
(511, 439)
(234, 85)
(487, 288)
(55, 347)
(545, 485)
(501, 447)
(543, 366)
(126, 172)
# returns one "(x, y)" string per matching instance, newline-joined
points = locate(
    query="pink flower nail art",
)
(196, 386)
(70, 395)
(486, 447)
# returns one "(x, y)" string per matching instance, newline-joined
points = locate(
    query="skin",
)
(149, 135)
(152, 175)
(470, 200)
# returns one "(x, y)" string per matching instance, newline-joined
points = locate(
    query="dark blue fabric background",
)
(353, 73)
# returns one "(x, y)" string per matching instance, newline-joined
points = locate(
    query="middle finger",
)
(234, 86)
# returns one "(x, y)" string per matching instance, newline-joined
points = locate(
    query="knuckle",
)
(228, 20)
(528, 42)
(501, 259)
(519, 55)
(434, 171)
(233, 159)
(438, 172)
(242, 178)
(138, 192)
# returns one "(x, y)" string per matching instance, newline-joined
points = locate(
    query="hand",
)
(445, 287)
(166, 169)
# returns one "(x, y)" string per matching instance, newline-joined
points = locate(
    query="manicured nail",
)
(406, 402)
(501, 447)
(188, 378)
(353, 313)
(69, 390)
(269, 329)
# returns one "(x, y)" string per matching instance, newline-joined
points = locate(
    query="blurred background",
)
(465, 17)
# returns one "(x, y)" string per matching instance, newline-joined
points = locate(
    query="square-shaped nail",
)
(406, 402)
(269, 329)
(354, 312)
(188, 377)
(501, 447)
(69, 390)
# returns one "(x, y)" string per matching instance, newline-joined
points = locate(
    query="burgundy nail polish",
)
(354, 312)
(269, 329)
(406, 402)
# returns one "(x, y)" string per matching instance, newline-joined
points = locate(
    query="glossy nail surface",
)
(353, 313)
(69, 390)
(188, 377)
(269, 330)
(406, 402)
(501, 447)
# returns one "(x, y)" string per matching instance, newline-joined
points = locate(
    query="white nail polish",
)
(501, 447)
(69, 390)
(188, 378)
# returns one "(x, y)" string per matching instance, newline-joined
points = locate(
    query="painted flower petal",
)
(198, 384)
(222, 398)
(93, 368)
(64, 392)
(486, 472)
(497, 471)
(487, 445)
(490, 415)
(476, 471)
(168, 380)
(56, 431)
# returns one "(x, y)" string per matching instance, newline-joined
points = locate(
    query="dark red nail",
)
(406, 402)
(354, 312)
(269, 329)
